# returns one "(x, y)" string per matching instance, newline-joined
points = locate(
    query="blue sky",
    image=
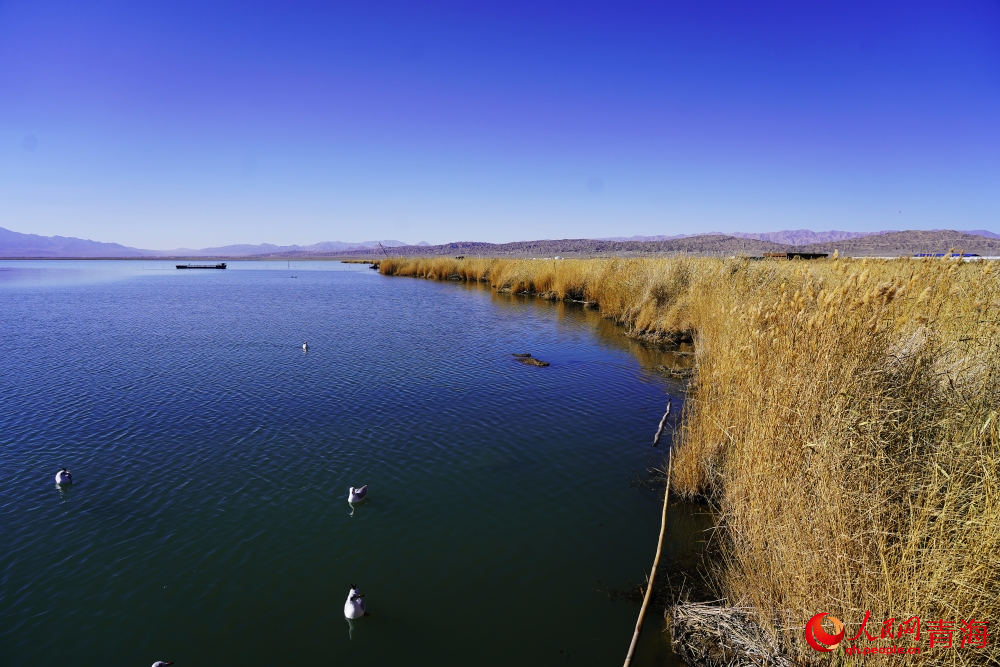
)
(160, 125)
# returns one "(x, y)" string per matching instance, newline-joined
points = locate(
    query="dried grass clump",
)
(844, 426)
(436, 268)
(707, 635)
(647, 296)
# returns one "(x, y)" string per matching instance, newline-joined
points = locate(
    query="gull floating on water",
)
(305, 347)
(357, 495)
(64, 477)
(355, 606)
(159, 663)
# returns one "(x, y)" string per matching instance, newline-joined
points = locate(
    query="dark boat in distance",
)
(221, 265)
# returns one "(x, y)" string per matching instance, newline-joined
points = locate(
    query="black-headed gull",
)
(357, 495)
(355, 606)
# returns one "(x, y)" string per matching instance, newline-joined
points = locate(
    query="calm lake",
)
(208, 523)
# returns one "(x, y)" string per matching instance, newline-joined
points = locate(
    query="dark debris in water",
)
(526, 358)
(675, 371)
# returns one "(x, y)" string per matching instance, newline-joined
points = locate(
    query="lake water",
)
(208, 522)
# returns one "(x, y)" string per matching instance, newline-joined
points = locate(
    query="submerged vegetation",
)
(843, 424)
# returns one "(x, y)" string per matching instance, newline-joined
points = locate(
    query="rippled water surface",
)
(208, 522)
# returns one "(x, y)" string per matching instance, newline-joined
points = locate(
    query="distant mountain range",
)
(793, 237)
(893, 244)
(798, 237)
(982, 242)
(883, 244)
(245, 249)
(16, 244)
(707, 244)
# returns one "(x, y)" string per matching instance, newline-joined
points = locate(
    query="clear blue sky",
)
(194, 124)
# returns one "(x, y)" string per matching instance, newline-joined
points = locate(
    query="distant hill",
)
(885, 243)
(982, 232)
(854, 244)
(246, 249)
(892, 244)
(659, 237)
(706, 244)
(15, 244)
(800, 237)
(793, 237)
(804, 239)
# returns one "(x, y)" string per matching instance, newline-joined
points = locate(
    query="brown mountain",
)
(801, 237)
(980, 242)
(706, 244)
(894, 244)
(795, 237)
(881, 244)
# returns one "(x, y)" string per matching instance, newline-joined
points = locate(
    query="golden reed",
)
(843, 424)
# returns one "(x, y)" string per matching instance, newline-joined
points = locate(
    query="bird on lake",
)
(159, 663)
(64, 476)
(305, 347)
(355, 606)
(357, 495)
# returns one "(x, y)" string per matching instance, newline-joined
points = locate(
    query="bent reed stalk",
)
(843, 425)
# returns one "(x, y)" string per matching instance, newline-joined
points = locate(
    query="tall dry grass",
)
(843, 424)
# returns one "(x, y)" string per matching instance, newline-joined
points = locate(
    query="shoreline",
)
(815, 382)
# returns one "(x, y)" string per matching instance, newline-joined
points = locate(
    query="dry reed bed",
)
(844, 425)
